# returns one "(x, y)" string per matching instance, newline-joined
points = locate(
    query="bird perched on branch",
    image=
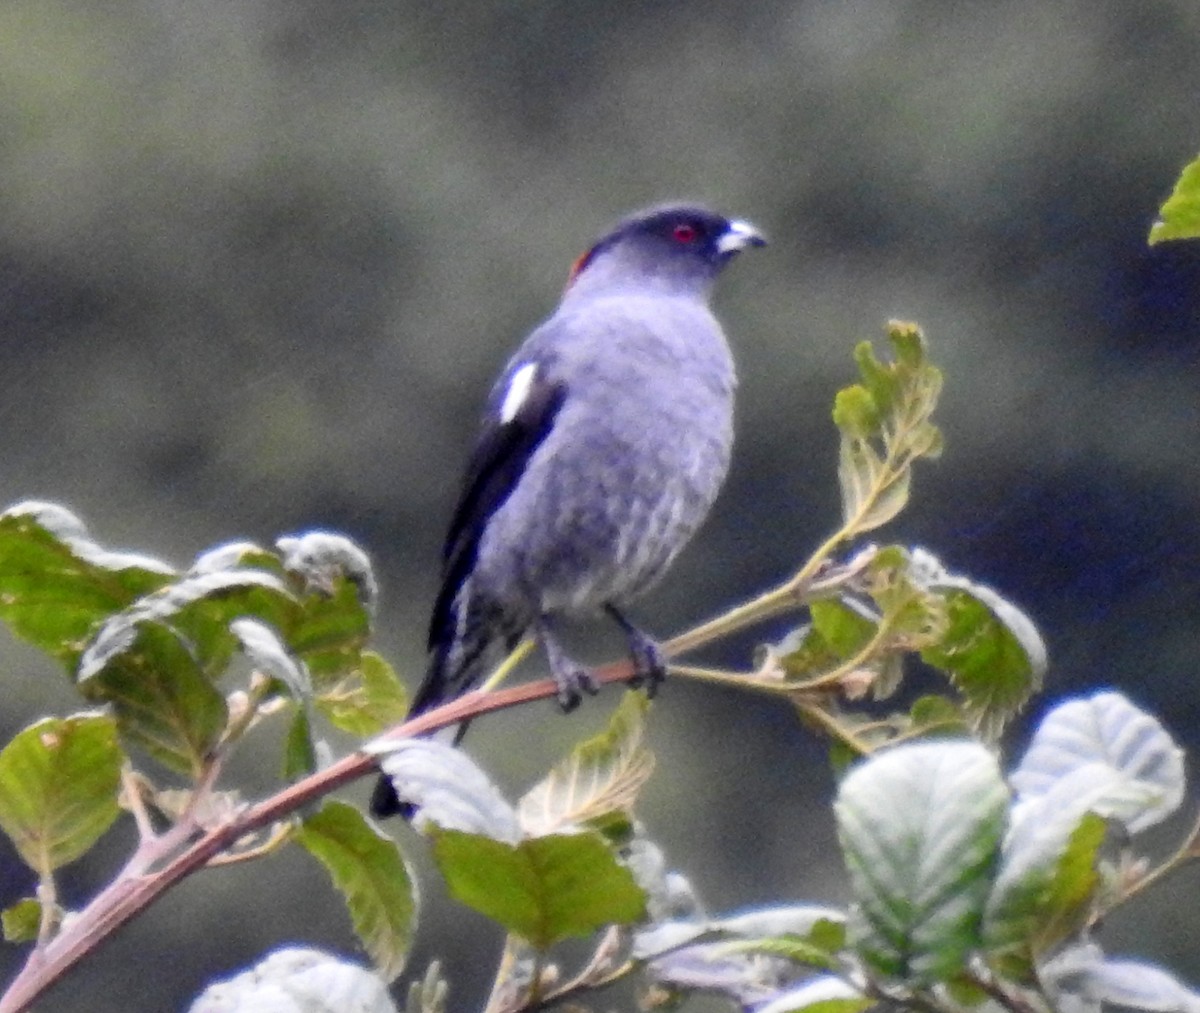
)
(603, 445)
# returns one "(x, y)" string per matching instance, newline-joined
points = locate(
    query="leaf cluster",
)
(971, 887)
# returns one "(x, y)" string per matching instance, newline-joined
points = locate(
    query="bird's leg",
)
(649, 665)
(571, 678)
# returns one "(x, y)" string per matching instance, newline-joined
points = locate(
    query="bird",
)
(602, 446)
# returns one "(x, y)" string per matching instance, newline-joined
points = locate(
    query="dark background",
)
(260, 260)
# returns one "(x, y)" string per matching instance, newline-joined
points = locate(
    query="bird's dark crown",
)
(677, 230)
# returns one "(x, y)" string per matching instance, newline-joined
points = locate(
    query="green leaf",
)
(163, 701)
(22, 920)
(330, 632)
(338, 592)
(56, 584)
(369, 700)
(58, 788)
(819, 945)
(369, 871)
(544, 889)
(300, 751)
(1179, 217)
(919, 827)
(1035, 905)
(600, 777)
(328, 620)
(935, 715)
(844, 630)
(885, 426)
(991, 650)
(199, 610)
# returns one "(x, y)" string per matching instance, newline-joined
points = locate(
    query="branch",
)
(179, 852)
(187, 847)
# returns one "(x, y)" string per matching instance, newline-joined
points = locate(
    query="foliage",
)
(1179, 217)
(974, 881)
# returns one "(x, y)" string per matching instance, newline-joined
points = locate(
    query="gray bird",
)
(603, 445)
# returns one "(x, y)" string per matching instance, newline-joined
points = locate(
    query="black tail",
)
(430, 694)
(452, 671)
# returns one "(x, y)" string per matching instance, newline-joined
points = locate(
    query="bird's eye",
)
(684, 233)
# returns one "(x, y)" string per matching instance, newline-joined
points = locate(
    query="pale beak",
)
(738, 236)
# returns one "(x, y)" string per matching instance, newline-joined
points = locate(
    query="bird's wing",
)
(520, 414)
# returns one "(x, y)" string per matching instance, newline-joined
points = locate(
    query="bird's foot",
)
(649, 662)
(572, 682)
(571, 678)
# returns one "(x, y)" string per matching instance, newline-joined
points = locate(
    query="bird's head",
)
(672, 245)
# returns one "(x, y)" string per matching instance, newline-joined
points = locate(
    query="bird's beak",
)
(738, 236)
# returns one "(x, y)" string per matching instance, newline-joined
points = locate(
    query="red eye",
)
(684, 233)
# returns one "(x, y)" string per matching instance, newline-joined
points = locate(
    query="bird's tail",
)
(453, 669)
(435, 689)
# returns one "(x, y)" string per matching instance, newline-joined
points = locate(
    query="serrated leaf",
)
(544, 889)
(368, 701)
(56, 584)
(164, 703)
(199, 609)
(446, 787)
(298, 980)
(885, 426)
(22, 920)
(1179, 217)
(919, 827)
(990, 649)
(1124, 750)
(600, 777)
(369, 871)
(321, 559)
(58, 788)
(825, 994)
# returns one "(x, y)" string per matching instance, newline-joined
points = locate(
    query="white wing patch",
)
(518, 392)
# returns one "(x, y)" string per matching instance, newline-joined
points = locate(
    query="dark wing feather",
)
(495, 467)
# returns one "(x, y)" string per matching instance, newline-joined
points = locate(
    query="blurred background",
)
(259, 262)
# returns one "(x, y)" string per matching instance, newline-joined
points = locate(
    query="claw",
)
(573, 682)
(571, 678)
(649, 662)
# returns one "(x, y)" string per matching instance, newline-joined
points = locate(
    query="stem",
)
(1186, 852)
(792, 593)
(47, 895)
(820, 716)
